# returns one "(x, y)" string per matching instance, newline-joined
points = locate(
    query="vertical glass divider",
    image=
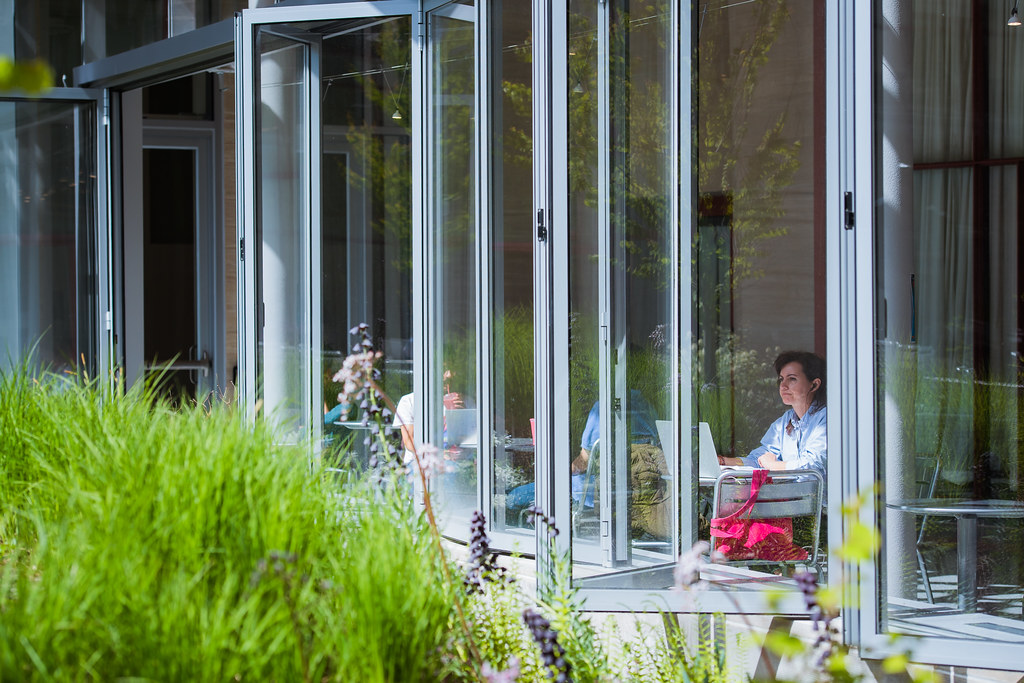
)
(314, 272)
(550, 358)
(103, 216)
(427, 385)
(246, 212)
(484, 160)
(857, 339)
(680, 461)
(422, 261)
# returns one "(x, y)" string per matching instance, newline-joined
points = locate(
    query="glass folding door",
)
(694, 256)
(53, 254)
(622, 285)
(452, 232)
(944, 382)
(325, 199)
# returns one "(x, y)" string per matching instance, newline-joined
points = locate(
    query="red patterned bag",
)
(762, 539)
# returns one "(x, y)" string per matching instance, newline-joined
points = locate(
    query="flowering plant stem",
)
(436, 533)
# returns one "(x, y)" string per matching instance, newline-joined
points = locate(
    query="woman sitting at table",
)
(797, 440)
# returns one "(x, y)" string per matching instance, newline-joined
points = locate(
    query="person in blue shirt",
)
(797, 440)
(648, 488)
(638, 419)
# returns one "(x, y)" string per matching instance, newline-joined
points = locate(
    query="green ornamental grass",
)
(143, 542)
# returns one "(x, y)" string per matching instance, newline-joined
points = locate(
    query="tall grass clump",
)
(141, 541)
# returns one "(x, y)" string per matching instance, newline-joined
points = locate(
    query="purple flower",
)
(356, 372)
(483, 565)
(552, 654)
(537, 515)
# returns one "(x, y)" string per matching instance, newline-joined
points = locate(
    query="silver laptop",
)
(708, 466)
(460, 427)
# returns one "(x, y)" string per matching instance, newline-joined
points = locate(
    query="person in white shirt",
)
(798, 439)
(404, 413)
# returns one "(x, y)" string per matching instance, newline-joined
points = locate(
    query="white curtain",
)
(943, 210)
(943, 227)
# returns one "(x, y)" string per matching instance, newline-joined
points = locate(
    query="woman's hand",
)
(453, 400)
(770, 462)
(579, 463)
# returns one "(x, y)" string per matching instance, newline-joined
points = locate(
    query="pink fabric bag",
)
(765, 539)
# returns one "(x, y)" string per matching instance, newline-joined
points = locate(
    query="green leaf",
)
(894, 664)
(784, 644)
(921, 675)
(861, 543)
(32, 76)
(829, 599)
(774, 596)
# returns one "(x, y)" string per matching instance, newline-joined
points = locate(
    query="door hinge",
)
(241, 249)
(848, 215)
(542, 231)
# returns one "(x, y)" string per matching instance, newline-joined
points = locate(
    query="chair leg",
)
(924, 577)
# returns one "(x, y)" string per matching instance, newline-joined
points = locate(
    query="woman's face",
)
(794, 387)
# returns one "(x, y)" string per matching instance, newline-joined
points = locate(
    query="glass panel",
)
(452, 215)
(584, 320)
(758, 373)
(948, 319)
(512, 239)
(621, 232)
(50, 30)
(366, 240)
(48, 234)
(754, 239)
(283, 148)
(115, 26)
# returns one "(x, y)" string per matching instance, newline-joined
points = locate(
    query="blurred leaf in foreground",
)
(32, 76)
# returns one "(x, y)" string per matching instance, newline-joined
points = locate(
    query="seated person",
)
(650, 504)
(797, 440)
(405, 409)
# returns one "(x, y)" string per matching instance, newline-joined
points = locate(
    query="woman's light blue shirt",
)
(802, 448)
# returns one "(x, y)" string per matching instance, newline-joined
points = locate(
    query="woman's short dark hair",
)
(813, 366)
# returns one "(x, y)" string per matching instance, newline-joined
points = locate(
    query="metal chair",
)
(586, 516)
(789, 493)
(926, 489)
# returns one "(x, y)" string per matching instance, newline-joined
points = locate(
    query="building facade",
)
(596, 221)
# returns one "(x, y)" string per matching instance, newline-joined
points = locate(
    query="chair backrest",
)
(789, 493)
(590, 478)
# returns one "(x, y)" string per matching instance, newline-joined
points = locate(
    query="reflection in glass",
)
(48, 235)
(366, 237)
(451, 104)
(283, 261)
(127, 24)
(50, 30)
(948, 292)
(512, 248)
(620, 208)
